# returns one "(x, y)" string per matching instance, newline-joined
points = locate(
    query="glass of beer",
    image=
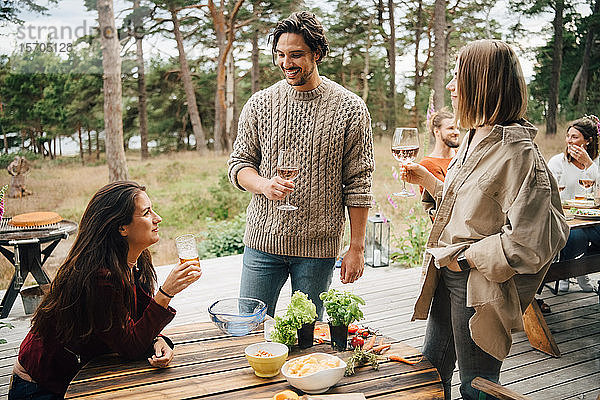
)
(187, 250)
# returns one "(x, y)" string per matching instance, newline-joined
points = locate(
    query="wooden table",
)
(537, 330)
(211, 365)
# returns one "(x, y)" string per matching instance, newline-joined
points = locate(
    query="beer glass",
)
(187, 250)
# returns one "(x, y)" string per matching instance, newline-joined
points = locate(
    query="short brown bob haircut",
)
(490, 85)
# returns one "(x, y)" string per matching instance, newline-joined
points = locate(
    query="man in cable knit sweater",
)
(329, 129)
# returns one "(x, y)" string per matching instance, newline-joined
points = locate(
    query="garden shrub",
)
(223, 238)
(411, 246)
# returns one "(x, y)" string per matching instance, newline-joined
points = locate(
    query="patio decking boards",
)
(389, 294)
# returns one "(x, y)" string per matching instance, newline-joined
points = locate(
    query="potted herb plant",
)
(343, 308)
(298, 322)
(303, 313)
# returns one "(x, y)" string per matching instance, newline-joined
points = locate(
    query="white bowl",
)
(316, 382)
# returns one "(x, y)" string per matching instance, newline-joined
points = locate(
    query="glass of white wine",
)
(405, 147)
(587, 179)
(288, 169)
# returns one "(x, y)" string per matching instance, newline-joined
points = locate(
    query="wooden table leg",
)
(538, 332)
(30, 262)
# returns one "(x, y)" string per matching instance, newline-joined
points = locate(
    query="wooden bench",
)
(537, 330)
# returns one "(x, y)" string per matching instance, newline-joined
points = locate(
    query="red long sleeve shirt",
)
(53, 364)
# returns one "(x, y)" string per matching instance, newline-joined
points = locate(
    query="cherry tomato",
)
(352, 328)
(357, 342)
(365, 333)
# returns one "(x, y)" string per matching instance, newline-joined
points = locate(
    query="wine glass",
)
(562, 184)
(586, 181)
(405, 147)
(288, 169)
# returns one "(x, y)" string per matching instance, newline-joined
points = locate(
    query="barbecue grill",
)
(27, 255)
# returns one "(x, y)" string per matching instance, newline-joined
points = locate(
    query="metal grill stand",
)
(27, 254)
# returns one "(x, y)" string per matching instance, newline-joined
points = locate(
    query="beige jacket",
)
(503, 207)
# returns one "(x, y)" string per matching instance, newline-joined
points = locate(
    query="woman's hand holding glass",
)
(418, 175)
(182, 276)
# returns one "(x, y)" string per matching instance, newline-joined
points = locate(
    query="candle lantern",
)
(377, 241)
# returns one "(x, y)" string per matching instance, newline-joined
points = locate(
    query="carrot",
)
(381, 348)
(369, 345)
(395, 357)
(381, 342)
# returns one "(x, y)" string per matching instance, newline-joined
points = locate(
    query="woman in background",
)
(579, 161)
(498, 226)
(101, 298)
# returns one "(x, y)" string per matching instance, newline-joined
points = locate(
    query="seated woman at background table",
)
(579, 161)
(100, 301)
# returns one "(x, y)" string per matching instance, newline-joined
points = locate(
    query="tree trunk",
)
(391, 123)
(220, 108)
(230, 123)
(23, 137)
(367, 67)
(5, 144)
(80, 143)
(578, 92)
(97, 144)
(417, 80)
(225, 34)
(113, 101)
(255, 63)
(141, 81)
(89, 136)
(551, 114)
(59, 145)
(439, 54)
(18, 169)
(188, 86)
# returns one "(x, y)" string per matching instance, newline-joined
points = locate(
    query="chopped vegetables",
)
(263, 353)
(395, 357)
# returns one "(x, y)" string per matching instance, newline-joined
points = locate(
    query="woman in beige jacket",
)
(499, 221)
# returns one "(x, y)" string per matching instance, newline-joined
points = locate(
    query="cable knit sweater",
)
(330, 129)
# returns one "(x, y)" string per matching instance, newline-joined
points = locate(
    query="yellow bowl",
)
(268, 365)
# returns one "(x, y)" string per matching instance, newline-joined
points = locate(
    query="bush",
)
(223, 202)
(223, 238)
(412, 245)
(6, 159)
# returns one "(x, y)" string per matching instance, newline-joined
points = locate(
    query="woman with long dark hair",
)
(498, 226)
(101, 298)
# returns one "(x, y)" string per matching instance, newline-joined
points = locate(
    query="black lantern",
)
(377, 241)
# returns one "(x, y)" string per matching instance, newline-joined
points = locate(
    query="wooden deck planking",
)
(390, 295)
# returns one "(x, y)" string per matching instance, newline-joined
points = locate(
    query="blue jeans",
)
(581, 241)
(21, 389)
(264, 274)
(447, 337)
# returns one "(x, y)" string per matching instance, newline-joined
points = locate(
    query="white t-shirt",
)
(567, 174)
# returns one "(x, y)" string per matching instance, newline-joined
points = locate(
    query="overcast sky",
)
(70, 20)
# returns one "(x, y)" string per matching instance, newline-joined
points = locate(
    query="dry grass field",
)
(179, 185)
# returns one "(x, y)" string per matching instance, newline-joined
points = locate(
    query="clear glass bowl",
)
(237, 316)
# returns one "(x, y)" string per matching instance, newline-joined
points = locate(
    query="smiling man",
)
(328, 128)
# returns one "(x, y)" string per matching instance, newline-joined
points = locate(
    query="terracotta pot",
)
(306, 335)
(339, 336)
